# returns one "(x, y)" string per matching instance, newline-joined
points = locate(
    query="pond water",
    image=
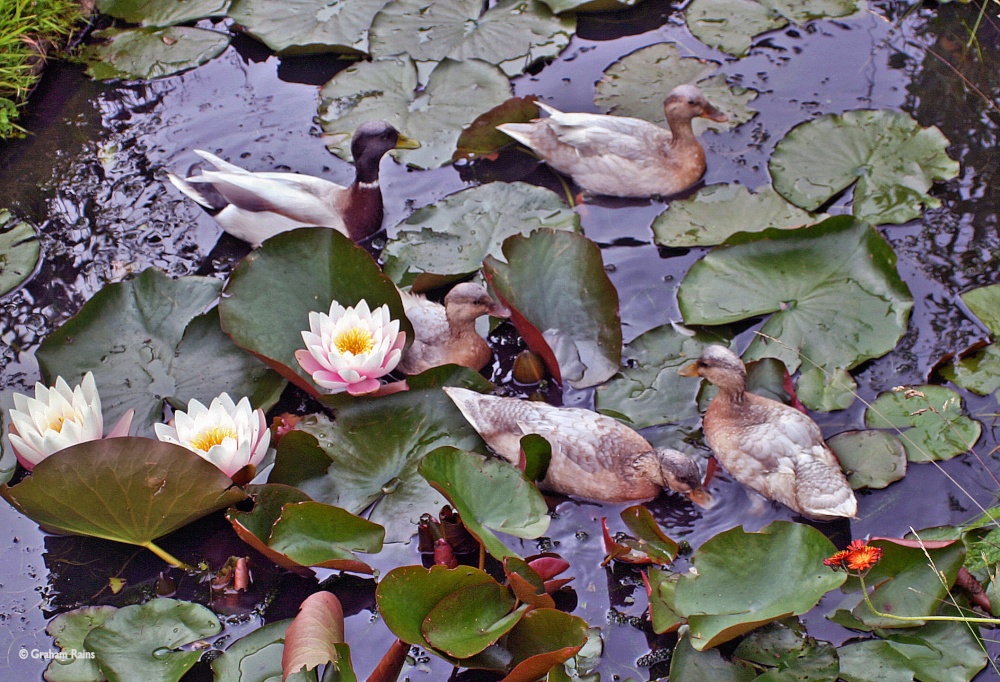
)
(91, 176)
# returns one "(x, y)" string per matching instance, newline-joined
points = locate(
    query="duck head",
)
(675, 470)
(688, 102)
(722, 367)
(470, 301)
(371, 141)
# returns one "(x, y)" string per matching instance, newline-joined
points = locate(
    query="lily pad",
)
(470, 619)
(482, 139)
(455, 235)
(257, 658)
(891, 158)
(648, 390)
(637, 84)
(728, 598)
(662, 588)
(803, 277)
(980, 372)
(147, 53)
(871, 459)
(928, 419)
(716, 212)
(130, 490)
(295, 27)
(159, 13)
(434, 110)
(541, 640)
(489, 494)
(789, 653)
(512, 34)
(692, 665)
(315, 637)
(270, 294)
(146, 344)
(825, 390)
(562, 302)
(19, 252)
(590, 5)
(141, 642)
(69, 630)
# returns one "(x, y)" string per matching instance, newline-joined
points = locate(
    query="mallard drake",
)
(446, 334)
(593, 456)
(769, 446)
(256, 206)
(619, 156)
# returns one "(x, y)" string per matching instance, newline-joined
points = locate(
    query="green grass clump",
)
(27, 28)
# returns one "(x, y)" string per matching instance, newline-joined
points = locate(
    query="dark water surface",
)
(91, 176)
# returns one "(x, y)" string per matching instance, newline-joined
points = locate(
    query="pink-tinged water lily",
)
(349, 349)
(57, 418)
(229, 435)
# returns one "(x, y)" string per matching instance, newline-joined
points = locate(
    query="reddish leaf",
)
(389, 667)
(444, 555)
(310, 638)
(483, 139)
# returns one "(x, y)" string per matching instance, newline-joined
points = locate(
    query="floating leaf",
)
(159, 13)
(541, 640)
(146, 345)
(778, 572)
(257, 657)
(716, 212)
(269, 295)
(690, 665)
(295, 27)
(930, 420)
(871, 459)
(482, 139)
(789, 653)
(315, 637)
(489, 494)
(648, 390)
(590, 5)
(825, 390)
(470, 619)
(434, 110)
(147, 53)
(69, 630)
(19, 252)
(804, 277)
(562, 303)
(662, 586)
(650, 538)
(513, 34)
(140, 642)
(637, 84)
(455, 235)
(980, 372)
(891, 158)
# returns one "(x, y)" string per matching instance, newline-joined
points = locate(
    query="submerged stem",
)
(166, 556)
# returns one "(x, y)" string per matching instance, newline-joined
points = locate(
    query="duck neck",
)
(459, 325)
(363, 210)
(733, 394)
(366, 171)
(682, 134)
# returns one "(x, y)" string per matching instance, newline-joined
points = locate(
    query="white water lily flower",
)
(57, 418)
(229, 435)
(349, 349)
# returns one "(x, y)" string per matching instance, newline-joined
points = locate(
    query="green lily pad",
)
(69, 630)
(648, 390)
(482, 139)
(871, 459)
(825, 390)
(455, 235)
(489, 494)
(562, 302)
(434, 110)
(590, 5)
(512, 34)
(689, 664)
(663, 615)
(146, 344)
(716, 212)
(269, 295)
(928, 419)
(295, 27)
(980, 372)
(637, 84)
(147, 53)
(140, 642)
(541, 640)
(470, 619)
(159, 13)
(649, 537)
(19, 252)
(130, 490)
(789, 653)
(728, 598)
(891, 158)
(257, 658)
(315, 637)
(803, 277)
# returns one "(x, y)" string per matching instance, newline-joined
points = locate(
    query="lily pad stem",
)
(167, 556)
(959, 619)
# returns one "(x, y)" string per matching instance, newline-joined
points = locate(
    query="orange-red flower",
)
(859, 556)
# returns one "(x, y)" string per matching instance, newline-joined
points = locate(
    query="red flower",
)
(859, 556)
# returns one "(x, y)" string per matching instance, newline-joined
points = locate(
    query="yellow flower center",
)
(57, 422)
(355, 341)
(214, 435)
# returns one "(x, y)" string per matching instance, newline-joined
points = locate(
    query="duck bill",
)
(405, 142)
(499, 310)
(714, 114)
(702, 498)
(689, 370)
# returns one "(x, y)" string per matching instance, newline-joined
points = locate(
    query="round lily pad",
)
(68, 630)
(19, 252)
(871, 459)
(929, 420)
(260, 652)
(980, 372)
(295, 27)
(146, 53)
(470, 619)
(158, 13)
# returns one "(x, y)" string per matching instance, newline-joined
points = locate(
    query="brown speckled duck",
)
(620, 156)
(769, 446)
(256, 206)
(446, 334)
(593, 456)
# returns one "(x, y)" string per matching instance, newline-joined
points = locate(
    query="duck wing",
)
(597, 135)
(307, 200)
(429, 319)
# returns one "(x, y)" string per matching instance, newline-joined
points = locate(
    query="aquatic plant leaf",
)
(433, 111)
(929, 420)
(648, 390)
(69, 630)
(257, 657)
(729, 598)
(637, 84)
(140, 642)
(662, 586)
(826, 391)
(489, 494)
(315, 637)
(789, 653)
(482, 139)
(455, 235)
(370, 455)
(650, 538)
(980, 372)
(19, 252)
(892, 160)
(159, 13)
(541, 640)
(513, 34)
(560, 6)
(689, 664)
(146, 344)
(295, 27)
(266, 304)
(470, 619)
(130, 490)
(870, 459)
(147, 53)
(716, 212)
(803, 277)
(562, 303)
